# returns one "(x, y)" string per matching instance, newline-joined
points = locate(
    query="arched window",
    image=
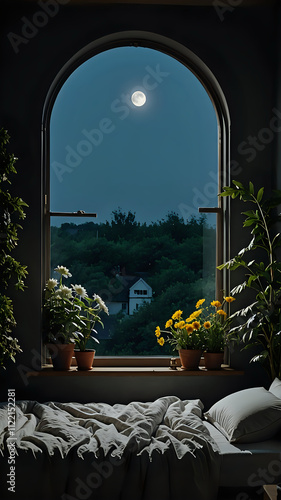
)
(137, 134)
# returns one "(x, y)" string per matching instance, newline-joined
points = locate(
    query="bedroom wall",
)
(240, 45)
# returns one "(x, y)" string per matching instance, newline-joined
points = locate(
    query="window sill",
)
(139, 371)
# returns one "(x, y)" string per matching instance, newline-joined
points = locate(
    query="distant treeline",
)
(167, 254)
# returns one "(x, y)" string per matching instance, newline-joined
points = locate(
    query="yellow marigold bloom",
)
(169, 323)
(161, 341)
(195, 314)
(196, 325)
(216, 303)
(177, 315)
(189, 329)
(199, 303)
(221, 312)
(157, 331)
(207, 324)
(229, 299)
(181, 324)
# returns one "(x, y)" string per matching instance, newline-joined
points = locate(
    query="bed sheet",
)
(157, 450)
(248, 465)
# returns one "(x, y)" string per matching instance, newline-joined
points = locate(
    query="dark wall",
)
(240, 47)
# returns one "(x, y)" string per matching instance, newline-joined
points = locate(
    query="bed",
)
(165, 449)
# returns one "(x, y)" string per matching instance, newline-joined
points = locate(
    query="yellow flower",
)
(177, 314)
(169, 323)
(189, 329)
(207, 324)
(161, 341)
(196, 325)
(229, 299)
(157, 331)
(195, 314)
(216, 303)
(200, 302)
(181, 325)
(222, 313)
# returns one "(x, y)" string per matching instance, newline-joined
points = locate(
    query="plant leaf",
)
(251, 187)
(260, 194)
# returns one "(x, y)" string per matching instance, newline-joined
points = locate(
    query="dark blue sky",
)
(107, 153)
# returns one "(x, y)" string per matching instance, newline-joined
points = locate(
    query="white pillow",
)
(275, 388)
(247, 416)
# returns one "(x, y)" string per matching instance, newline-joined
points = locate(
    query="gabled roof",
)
(127, 281)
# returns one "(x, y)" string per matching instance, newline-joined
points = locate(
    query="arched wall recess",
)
(201, 72)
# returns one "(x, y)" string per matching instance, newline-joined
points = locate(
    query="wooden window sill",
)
(140, 371)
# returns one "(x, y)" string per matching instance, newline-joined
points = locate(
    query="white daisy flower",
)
(64, 292)
(101, 303)
(63, 271)
(51, 283)
(80, 290)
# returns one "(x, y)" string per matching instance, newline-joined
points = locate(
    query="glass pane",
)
(209, 258)
(145, 169)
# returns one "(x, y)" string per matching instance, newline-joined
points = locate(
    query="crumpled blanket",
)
(143, 450)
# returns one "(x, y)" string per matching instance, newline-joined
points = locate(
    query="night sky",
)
(152, 159)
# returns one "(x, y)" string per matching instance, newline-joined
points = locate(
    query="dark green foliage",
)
(9, 345)
(167, 254)
(12, 272)
(260, 321)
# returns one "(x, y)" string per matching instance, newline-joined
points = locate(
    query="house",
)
(133, 294)
(239, 42)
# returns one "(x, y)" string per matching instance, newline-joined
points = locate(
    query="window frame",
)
(212, 87)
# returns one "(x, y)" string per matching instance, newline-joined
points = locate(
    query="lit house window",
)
(133, 172)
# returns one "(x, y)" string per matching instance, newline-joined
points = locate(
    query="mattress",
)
(247, 465)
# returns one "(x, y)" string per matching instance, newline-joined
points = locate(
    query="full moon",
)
(138, 98)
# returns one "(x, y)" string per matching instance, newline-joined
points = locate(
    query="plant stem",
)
(269, 245)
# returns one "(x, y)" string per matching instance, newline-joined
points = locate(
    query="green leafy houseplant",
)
(69, 314)
(260, 321)
(11, 271)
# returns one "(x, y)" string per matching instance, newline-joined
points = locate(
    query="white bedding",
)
(158, 450)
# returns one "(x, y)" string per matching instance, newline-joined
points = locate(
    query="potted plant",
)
(185, 337)
(69, 318)
(60, 317)
(202, 332)
(260, 320)
(215, 324)
(89, 316)
(12, 272)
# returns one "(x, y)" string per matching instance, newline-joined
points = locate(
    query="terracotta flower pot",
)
(85, 359)
(213, 360)
(61, 355)
(190, 358)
